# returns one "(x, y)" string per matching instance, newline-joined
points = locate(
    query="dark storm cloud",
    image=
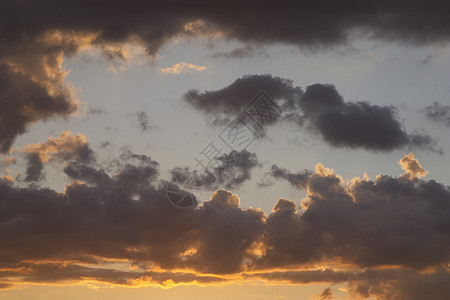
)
(438, 113)
(320, 110)
(230, 170)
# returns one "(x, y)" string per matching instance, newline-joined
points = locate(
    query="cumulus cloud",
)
(121, 214)
(181, 67)
(412, 167)
(357, 124)
(320, 110)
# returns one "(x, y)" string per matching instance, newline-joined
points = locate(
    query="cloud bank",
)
(379, 237)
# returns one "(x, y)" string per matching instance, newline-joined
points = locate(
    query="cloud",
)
(357, 124)
(326, 294)
(23, 102)
(229, 170)
(143, 121)
(181, 67)
(320, 110)
(241, 53)
(35, 39)
(297, 180)
(227, 103)
(412, 167)
(65, 148)
(388, 283)
(380, 237)
(438, 113)
(363, 222)
(426, 60)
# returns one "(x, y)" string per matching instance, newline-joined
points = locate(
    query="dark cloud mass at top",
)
(320, 109)
(35, 36)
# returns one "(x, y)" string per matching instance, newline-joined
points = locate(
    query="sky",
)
(224, 150)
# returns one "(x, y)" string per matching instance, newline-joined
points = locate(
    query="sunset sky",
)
(224, 150)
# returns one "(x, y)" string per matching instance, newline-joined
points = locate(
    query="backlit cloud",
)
(181, 67)
(123, 215)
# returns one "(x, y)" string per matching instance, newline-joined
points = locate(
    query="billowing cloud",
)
(320, 110)
(368, 233)
(412, 167)
(181, 67)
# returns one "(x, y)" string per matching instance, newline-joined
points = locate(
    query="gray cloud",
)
(143, 121)
(121, 213)
(320, 110)
(230, 170)
(357, 125)
(368, 223)
(35, 38)
(23, 101)
(225, 104)
(438, 113)
(31, 53)
(67, 147)
(240, 53)
(298, 180)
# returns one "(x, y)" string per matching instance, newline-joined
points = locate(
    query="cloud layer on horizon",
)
(123, 215)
